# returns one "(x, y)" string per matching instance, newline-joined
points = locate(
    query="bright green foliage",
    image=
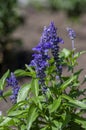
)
(58, 109)
(61, 107)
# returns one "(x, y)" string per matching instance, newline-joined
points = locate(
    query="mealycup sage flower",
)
(72, 35)
(48, 41)
(12, 82)
(54, 40)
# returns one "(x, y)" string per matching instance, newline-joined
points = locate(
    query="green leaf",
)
(23, 92)
(6, 94)
(82, 52)
(21, 72)
(6, 121)
(74, 102)
(67, 82)
(66, 53)
(18, 105)
(57, 125)
(66, 119)
(80, 120)
(23, 127)
(55, 105)
(44, 128)
(35, 87)
(3, 79)
(32, 115)
(16, 113)
(29, 68)
(31, 71)
(78, 54)
(37, 100)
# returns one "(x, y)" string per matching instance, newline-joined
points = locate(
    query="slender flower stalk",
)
(12, 82)
(72, 36)
(73, 44)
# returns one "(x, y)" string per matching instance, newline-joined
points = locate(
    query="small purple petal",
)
(71, 33)
(12, 82)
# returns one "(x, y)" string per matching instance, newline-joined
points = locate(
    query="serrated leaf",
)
(55, 105)
(3, 79)
(23, 92)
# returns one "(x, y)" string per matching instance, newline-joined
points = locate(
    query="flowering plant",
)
(51, 100)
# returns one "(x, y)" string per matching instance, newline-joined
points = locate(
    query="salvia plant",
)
(50, 99)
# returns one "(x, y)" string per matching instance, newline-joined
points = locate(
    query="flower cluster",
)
(12, 82)
(49, 40)
(54, 42)
(40, 63)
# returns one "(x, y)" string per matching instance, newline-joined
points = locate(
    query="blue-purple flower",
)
(12, 82)
(71, 33)
(54, 41)
(40, 64)
(48, 41)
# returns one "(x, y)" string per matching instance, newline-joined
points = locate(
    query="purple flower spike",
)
(55, 40)
(71, 33)
(12, 82)
(49, 40)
